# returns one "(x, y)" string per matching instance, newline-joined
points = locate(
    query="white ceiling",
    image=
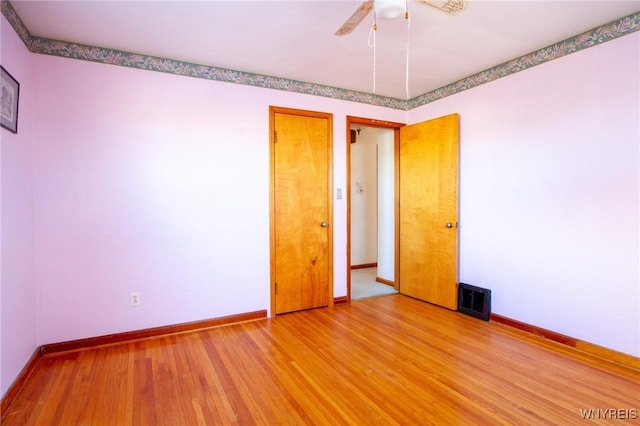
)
(295, 39)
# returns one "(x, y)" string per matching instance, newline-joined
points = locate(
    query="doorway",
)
(426, 227)
(371, 199)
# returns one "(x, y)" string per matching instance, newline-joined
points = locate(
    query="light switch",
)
(339, 194)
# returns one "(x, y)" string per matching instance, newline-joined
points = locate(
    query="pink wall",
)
(159, 184)
(18, 291)
(549, 192)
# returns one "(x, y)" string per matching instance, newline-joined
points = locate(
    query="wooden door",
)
(429, 211)
(301, 233)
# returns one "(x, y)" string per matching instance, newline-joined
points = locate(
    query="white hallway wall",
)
(386, 204)
(373, 209)
(364, 197)
(549, 192)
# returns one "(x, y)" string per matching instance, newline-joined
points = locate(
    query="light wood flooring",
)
(385, 360)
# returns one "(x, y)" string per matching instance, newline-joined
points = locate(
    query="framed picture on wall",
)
(9, 94)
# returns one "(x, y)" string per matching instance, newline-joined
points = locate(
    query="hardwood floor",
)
(386, 360)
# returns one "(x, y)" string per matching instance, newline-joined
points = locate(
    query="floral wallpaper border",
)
(604, 33)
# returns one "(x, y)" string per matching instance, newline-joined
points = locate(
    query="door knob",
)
(449, 225)
(324, 224)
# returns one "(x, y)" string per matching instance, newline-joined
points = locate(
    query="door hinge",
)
(275, 136)
(276, 288)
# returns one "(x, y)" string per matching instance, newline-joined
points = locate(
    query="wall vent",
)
(474, 301)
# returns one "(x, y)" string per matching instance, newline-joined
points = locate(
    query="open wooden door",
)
(301, 212)
(428, 211)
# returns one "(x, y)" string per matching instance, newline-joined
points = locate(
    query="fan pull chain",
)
(406, 77)
(372, 43)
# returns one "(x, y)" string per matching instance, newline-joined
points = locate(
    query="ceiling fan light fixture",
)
(390, 9)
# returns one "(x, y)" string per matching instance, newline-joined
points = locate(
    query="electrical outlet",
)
(135, 299)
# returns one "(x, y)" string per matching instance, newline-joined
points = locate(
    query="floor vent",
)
(474, 301)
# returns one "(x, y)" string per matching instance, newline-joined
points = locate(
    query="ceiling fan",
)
(391, 9)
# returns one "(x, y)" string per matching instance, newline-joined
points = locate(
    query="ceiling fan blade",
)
(449, 6)
(357, 17)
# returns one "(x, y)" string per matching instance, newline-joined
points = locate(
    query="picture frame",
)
(9, 97)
